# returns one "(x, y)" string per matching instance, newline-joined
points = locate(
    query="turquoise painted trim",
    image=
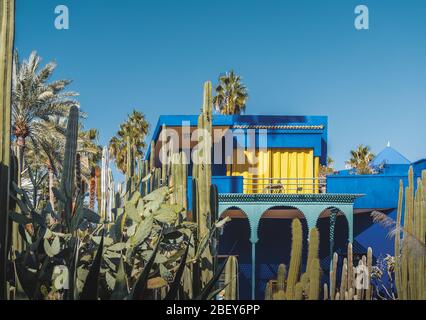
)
(253, 270)
(311, 205)
(340, 198)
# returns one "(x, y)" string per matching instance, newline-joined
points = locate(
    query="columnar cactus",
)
(104, 184)
(291, 287)
(118, 196)
(269, 291)
(98, 178)
(351, 270)
(214, 216)
(204, 208)
(344, 279)
(325, 290)
(313, 248)
(204, 197)
(314, 279)
(78, 179)
(146, 183)
(410, 268)
(7, 24)
(231, 279)
(349, 290)
(296, 258)
(152, 166)
(202, 174)
(281, 283)
(157, 178)
(92, 188)
(164, 155)
(130, 167)
(111, 196)
(333, 275)
(308, 286)
(179, 177)
(369, 260)
(69, 163)
(298, 291)
(398, 273)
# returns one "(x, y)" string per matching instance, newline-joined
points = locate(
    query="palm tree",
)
(89, 149)
(360, 160)
(36, 103)
(34, 178)
(136, 128)
(326, 169)
(48, 153)
(231, 95)
(91, 152)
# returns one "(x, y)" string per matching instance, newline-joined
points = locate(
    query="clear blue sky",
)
(297, 57)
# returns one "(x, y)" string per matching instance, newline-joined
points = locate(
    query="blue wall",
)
(419, 166)
(273, 248)
(224, 184)
(300, 138)
(380, 192)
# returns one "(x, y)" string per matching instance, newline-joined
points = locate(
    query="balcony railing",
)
(285, 185)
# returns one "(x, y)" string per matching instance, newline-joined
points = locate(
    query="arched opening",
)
(340, 238)
(274, 245)
(234, 240)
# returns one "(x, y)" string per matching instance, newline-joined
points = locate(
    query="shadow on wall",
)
(274, 247)
(235, 241)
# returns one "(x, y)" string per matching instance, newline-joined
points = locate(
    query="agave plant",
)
(72, 254)
(145, 250)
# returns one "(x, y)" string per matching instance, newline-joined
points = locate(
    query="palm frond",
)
(414, 245)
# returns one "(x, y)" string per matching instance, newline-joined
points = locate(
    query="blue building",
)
(380, 191)
(268, 171)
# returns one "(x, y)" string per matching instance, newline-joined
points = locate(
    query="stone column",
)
(254, 213)
(253, 269)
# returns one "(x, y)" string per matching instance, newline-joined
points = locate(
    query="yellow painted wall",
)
(277, 171)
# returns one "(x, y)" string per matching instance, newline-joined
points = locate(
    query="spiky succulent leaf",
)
(90, 289)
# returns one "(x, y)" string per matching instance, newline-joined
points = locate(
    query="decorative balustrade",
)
(284, 185)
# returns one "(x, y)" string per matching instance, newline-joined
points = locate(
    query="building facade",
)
(268, 172)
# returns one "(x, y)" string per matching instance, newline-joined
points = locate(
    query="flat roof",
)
(283, 122)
